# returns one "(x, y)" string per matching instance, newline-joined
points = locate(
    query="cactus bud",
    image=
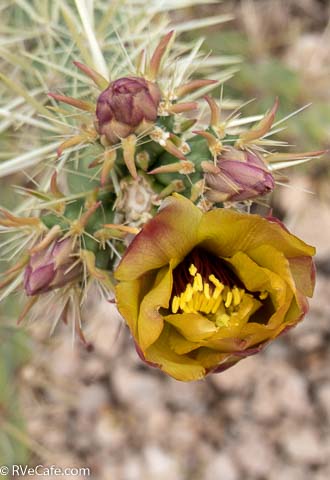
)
(128, 105)
(51, 268)
(239, 175)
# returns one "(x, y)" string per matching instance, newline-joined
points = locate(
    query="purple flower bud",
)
(51, 268)
(241, 175)
(127, 104)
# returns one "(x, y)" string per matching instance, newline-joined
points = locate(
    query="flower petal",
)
(303, 272)
(171, 234)
(209, 358)
(150, 321)
(224, 232)
(179, 344)
(269, 257)
(192, 326)
(181, 367)
(259, 279)
(129, 296)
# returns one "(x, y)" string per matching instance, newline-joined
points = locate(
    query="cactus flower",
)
(50, 268)
(128, 105)
(239, 175)
(200, 291)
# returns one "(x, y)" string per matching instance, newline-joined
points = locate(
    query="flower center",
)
(204, 284)
(208, 297)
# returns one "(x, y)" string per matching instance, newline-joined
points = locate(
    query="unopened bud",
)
(241, 175)
(51, 268)
(127, 106)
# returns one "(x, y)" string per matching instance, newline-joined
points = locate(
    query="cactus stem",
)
(18, 266)
(86, 215)
(185, 167)
(54, 186)
(27, 307)
(174, 186)
(259, 130)
(51, 235)
(192, 86)
(123, 228)
(215, 145)
(209, 167)
(173, 150)
(71, 142)
(12, 221)
(158, 55)
(129, 144)
(74, 102)
(183, 107)
(141, 62)
(108, 164)
(88, 258)
(197, 190)
(215, 111)
(97, 78)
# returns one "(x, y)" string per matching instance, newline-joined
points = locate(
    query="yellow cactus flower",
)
(200, 291)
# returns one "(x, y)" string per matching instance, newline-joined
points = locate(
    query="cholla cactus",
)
(136, 137)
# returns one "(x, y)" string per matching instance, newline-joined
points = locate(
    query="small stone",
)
(303, 445)
(132, 468)
(139, 390)
(238, 378)
(160, 464)
(289, 472)
(221, 467)
(280, 390)
(253, 450)
(323, 395)
(92, 398)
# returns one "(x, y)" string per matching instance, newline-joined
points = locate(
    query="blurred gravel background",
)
(268, 418)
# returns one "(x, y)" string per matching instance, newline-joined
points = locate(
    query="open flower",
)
(127, 106)
(239, 175)
(201, 291)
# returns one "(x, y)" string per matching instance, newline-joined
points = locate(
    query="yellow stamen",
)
(175, 304)
(217, 304)
(188, 293)
(210, 305)
(215, 281)
(192, 270)
(229, 299)
(207, 291)
(199, 282)
(182, 302)
(197, 301)
(218, 290)
(236, 296)
(263, 295)
(204, 304)
(212, 298)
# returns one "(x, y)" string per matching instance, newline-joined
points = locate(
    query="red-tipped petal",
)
(74, 102)
(97, 78)
(192, 86)
(158, 55)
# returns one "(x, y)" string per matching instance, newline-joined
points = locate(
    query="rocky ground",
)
(267, 418)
